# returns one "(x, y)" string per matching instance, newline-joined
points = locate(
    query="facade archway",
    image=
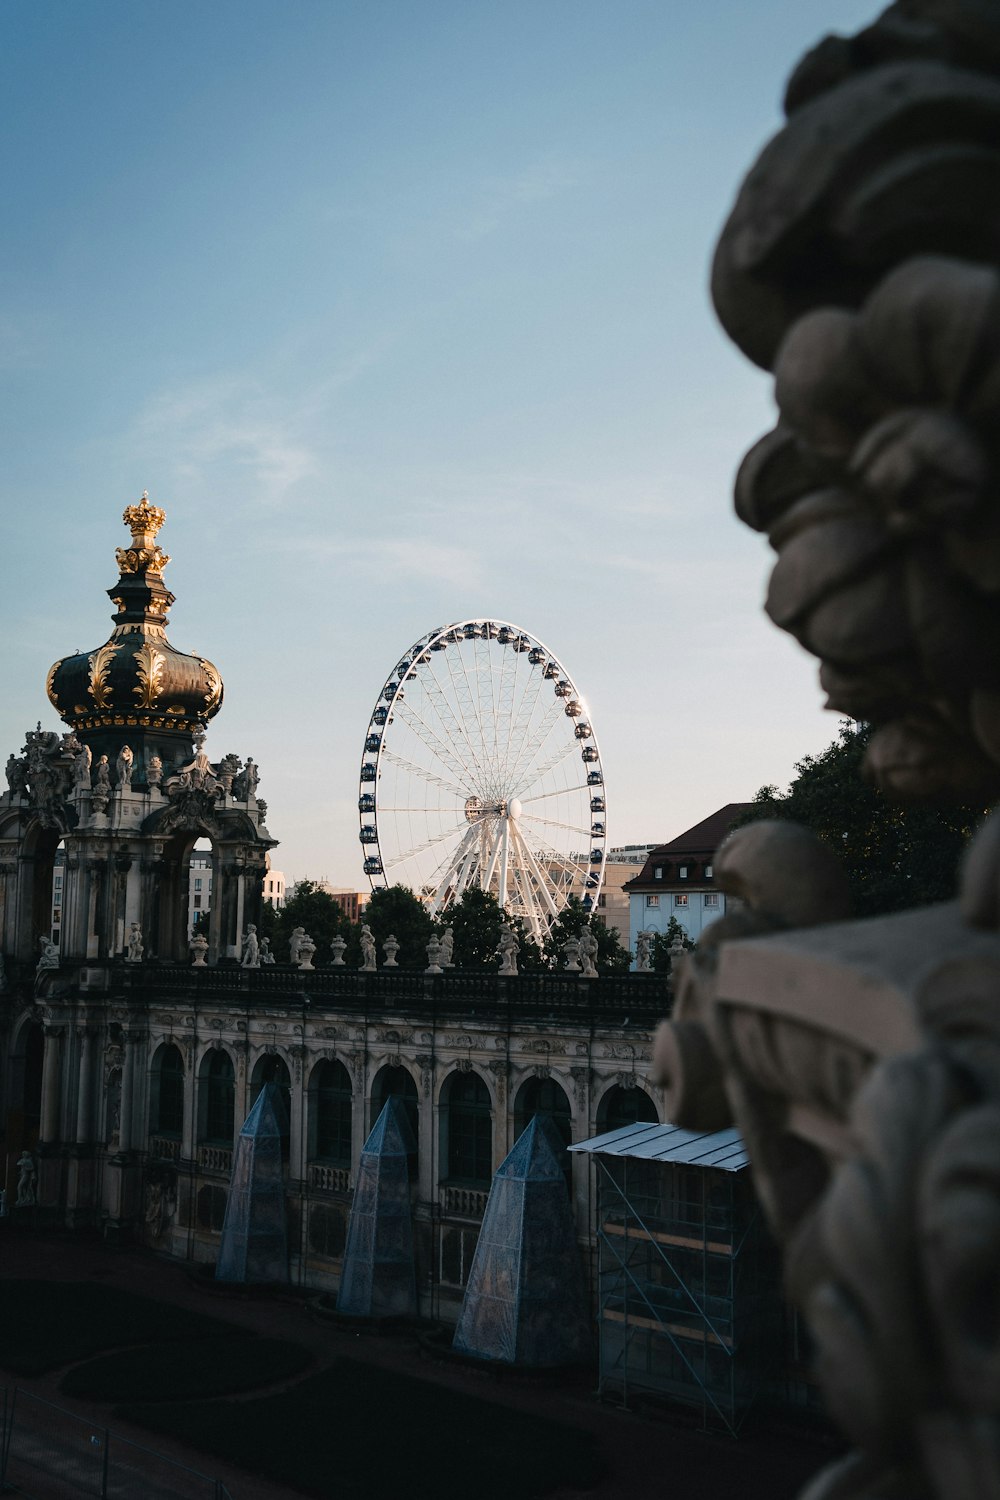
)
(166, 1093)
(216, 1099)
(398, 1083)
(270, 1068)
(544, 1097)
(625, 1106)
(466, 1131)
(330, 1114)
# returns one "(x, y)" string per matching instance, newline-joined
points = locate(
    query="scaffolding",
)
(689, 1300)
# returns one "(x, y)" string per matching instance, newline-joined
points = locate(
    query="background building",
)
(677, 879)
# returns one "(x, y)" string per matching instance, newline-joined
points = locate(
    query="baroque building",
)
(128, 1069)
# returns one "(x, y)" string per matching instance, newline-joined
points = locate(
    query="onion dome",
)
(137, 682)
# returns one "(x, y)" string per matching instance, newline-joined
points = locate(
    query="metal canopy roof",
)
(722, 1149)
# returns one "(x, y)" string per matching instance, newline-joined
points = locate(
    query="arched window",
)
(542, 1096)
(398, 1083)
(468, 1128)
(330, 1114)
(217, 1099)
(273, 1069)
(625, 1107)
(166, 1092)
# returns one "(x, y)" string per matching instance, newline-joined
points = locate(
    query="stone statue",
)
(27, 1181)
(82, 766)
(154, 772)
(367, 949)
(102, 780)
(858, 1059)
(508, 949)
(197, 776)
(434, 957)
(266, 956)
(571, 948)
(17, 775)
(307, 949)
(447, 948)
(251, 774)
(643, 951)
(338, 945)
(389, 949)
(294, 943)
(199, 947)
(134, 954)
(229, 767)
(124, 767)
(250, 958)
(588, 954)
(48, 956)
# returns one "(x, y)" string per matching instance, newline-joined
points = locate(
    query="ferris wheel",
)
(481, 769)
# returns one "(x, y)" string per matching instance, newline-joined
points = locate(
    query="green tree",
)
(475, 922)
(612, 955)
(662, 961)
(397, 910)
(322, 918)
(896, 855)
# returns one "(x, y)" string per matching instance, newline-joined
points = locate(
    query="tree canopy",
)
(320, 915)
(398, 910)
(896, 855)
(612, 955)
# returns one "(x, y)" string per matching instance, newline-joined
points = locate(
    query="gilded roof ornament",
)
(144, 556)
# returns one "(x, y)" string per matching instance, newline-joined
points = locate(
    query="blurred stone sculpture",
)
(571, 948)
(338, 945)
(389, 950)
(861, 1060)
(199, 947)
(306, 951)
(434, 957)
(588, 954)
(154, 772)
(266, 956)
(643, 951)
(447, 948)
(367, 949)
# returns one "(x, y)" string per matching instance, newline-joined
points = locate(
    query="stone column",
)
(126, 1129)
(83, 1098)
(51, 1084)
(188, 1131)
(297, 1144)
(96, 914)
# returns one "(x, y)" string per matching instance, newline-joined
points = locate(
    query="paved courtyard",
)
(645, 1456)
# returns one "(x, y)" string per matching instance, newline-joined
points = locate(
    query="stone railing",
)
(164, 1148)
(215, 1158)
(464, 1203)
(612, 999)
(329, 1179)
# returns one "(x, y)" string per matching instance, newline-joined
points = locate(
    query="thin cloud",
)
(501, 197)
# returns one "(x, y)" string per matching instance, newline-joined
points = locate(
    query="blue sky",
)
(399, 309)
